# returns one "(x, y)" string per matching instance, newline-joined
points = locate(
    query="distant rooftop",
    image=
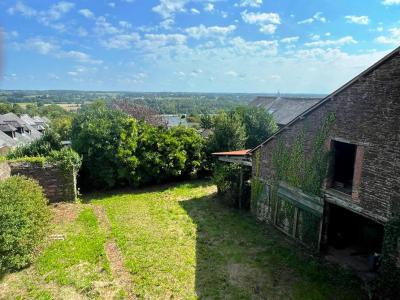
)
(284, 109)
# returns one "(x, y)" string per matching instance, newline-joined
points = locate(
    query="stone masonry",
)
(367, 113)
(58, 185)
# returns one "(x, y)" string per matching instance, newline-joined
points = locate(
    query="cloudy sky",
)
(304, 46)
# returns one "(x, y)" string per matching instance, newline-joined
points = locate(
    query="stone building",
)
(330, 178)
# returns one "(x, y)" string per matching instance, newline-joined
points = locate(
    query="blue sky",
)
(194, 45)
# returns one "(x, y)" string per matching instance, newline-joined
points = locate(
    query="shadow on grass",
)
(239, 258)
(157, 188)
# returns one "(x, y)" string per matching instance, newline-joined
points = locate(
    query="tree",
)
(62, 126)
(206, 121)
(106, 139)
(258, 124)
(194, 146)
(5, 108)
(228, 133)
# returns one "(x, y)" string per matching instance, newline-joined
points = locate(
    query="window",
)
(343, 168)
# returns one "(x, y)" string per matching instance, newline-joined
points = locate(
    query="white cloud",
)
(306, 21)
(168, 8)
(23, 9)
(392, 38)
(315, 37)
(167, 23)
(256, 48)
(194, 11)
(87, 13)
(43, 47)
(102, 26)
(155, 41)
(51, 48)
(250, 3)
(268, 29)
(46, 17)
(316, 17)
(361, 20)
(289, 40)
(121, 41)
(391, 2)
(202, 31)
(260, 18)
(112, 4)
(209, 7)
(232, 73)
(79, 56)
(332, 43)
(125, 24)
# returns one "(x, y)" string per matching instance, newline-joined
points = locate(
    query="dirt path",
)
(120, 274)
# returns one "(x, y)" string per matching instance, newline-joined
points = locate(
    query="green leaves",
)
(24, 217)
(118, 150)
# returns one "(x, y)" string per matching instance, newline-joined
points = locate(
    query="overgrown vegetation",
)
(118, 150)
(43, 146)
(242, 128)
(24, 217)
(299, 169)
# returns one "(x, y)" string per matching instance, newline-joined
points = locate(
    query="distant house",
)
(284, 109)
(19, 131)
(341, 203)
(39, 124)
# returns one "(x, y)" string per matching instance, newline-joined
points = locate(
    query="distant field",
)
(70, 106)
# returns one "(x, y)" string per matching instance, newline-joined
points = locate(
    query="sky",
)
(258, 46)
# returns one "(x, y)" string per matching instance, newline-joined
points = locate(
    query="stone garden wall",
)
(58, 185)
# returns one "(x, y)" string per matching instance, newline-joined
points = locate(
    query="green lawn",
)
(176, 242)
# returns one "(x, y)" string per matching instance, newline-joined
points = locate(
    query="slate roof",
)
(7, 127)
(12, 119)
(28, 120)
(5, 140)
(285, 109)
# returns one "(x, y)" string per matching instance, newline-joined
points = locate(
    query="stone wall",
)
(58, 184)
(5, 170)
(367, 114)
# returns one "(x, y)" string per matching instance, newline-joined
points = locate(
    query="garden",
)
(149, 223)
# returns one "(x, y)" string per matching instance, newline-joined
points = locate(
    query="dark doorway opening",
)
(353, 240)
(344, 160)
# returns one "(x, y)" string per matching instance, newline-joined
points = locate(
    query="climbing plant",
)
(305, 171)
(292, 165)
(257, 186)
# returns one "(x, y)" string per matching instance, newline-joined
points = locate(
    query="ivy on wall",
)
(292, 165)
(306, 172)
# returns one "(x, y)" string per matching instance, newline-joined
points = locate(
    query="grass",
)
(71, 268)
(176, 242)
(181, 243)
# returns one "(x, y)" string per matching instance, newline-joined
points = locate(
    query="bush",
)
(118, 150)
(50, 141)
(24, 218)
(106, 139)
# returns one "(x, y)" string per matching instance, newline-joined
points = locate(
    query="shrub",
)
(24, 217)
(106, 140)
(50, 141)
(66, 158)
